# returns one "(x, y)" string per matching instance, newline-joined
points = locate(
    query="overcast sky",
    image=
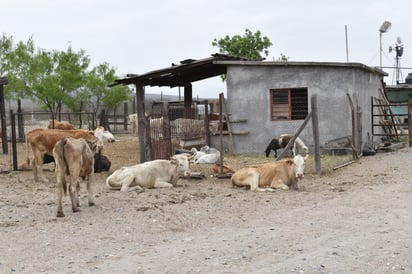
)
(141, 36)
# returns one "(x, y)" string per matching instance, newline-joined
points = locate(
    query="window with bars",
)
(289, 104)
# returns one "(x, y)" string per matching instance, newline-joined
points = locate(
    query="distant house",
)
(266, 99)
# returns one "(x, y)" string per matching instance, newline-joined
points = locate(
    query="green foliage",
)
(56, 78)
(98, 92)
(250, 45)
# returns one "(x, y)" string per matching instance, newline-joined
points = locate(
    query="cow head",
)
(95, 145)
(299, 165)
(182, 164)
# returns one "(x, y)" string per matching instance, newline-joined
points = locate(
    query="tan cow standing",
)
(74, 158)
(282, 174)
(42, 142)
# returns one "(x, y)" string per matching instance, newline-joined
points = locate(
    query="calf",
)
(283, 140)
(151, 174)
(207, 155)
(280, 174)
(74, 159)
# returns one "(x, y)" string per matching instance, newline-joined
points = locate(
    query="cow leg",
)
(126, 182)
(74, 193)
(281, 186)
(265, 189)
(162, 185)
(254, 181)
(137, 188)
(60, 190)
(90, 190)
(78, 192)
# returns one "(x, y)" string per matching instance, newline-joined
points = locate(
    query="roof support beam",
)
(188, 100)
(141, 124)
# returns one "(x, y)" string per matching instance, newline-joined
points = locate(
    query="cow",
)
(151, 174)
(282, 174)
(104, 135)
(55, 124)
(209, 155)
(74, 159)
(133, 122)
(156, 126)
(281, 142)
(101, 162)
(42, 142)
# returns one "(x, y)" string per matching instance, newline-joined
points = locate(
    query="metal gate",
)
(386, 124)
(177, 127)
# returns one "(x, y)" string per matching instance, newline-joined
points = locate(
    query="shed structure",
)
(266, 99)
(273, 98)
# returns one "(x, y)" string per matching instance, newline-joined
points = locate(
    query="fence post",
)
(13, 139)
(126, 111)
(315, 129)
(3, 81)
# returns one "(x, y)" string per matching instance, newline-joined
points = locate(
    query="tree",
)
(98, 91)
(250, 45)
(14, 63)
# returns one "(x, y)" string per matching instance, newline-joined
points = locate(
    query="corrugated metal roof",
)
(186, 72)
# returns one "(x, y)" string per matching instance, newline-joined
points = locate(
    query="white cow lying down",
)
(206, 155)
(280, 174)
(151, 174)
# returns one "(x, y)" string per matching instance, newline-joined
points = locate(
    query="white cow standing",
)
(151, 174)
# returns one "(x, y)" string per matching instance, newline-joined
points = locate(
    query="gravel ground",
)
(356, 219)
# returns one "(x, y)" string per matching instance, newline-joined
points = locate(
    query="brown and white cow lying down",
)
(42, 142)
(282, 174)
(74, 159)
(151, 174)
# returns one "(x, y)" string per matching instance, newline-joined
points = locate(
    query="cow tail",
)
(63, 144)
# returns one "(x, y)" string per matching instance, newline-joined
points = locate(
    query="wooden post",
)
(353, 141)
(315, 129)
(20, 121)
(188, 100)
(141, 125)
(3, 81)
(125, 111)
(292, 140)
(221, 98)
(13, 139)
(410, 120)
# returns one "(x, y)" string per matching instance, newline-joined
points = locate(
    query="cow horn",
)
(306, 157)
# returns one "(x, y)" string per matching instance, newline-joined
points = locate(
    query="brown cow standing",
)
(42, 142)
(55, 124)
(74, 158)
(280, 174)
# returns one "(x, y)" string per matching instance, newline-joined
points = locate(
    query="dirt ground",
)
(356, 219)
